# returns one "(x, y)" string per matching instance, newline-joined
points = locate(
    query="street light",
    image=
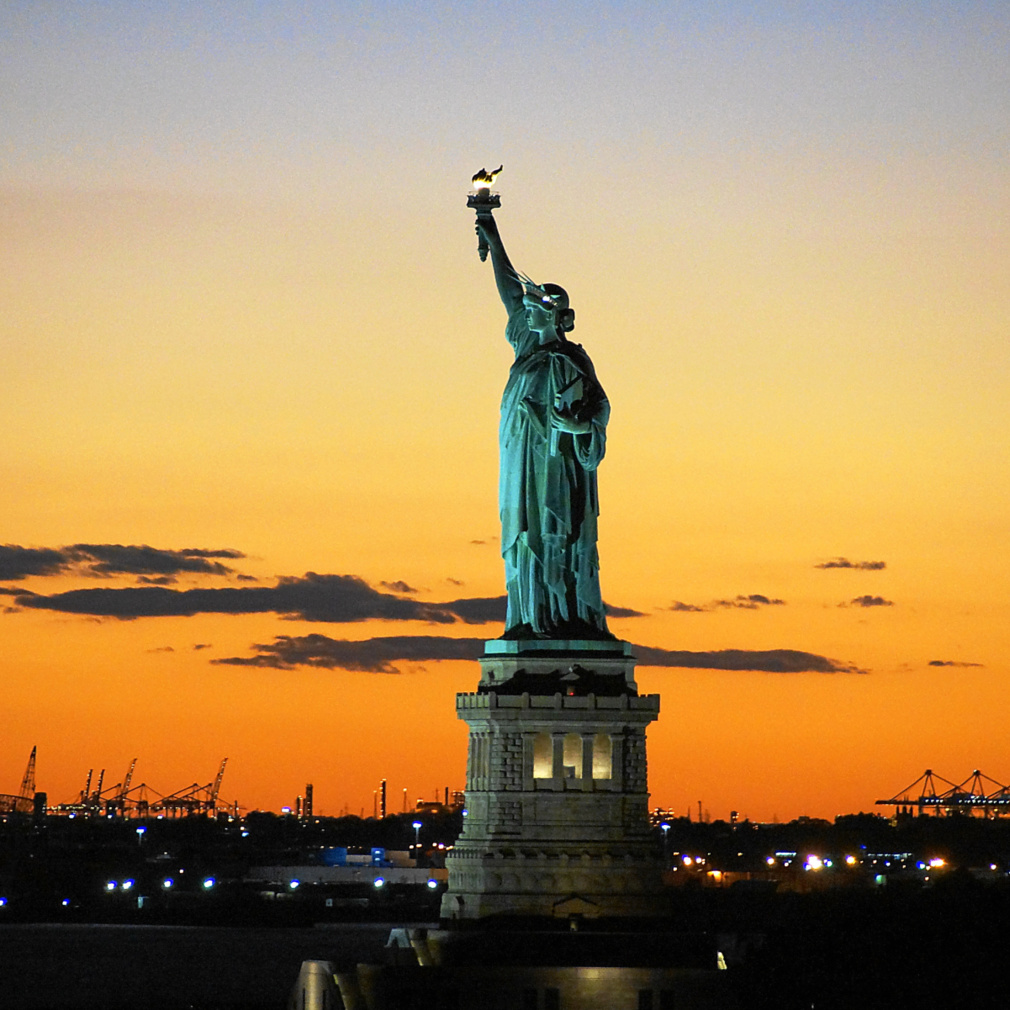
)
(417, 836)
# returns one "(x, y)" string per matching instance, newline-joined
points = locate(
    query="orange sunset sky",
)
(250, 367)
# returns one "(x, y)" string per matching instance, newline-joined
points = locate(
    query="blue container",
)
(336, 856)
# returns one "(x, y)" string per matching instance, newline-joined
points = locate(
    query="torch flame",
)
(485, 179)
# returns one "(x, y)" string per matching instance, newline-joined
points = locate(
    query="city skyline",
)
(252, 365)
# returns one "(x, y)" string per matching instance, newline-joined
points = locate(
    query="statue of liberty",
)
(552, 437)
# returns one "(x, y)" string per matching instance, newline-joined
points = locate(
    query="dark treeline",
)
(959, 840)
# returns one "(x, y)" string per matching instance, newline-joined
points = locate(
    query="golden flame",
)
(485, 179)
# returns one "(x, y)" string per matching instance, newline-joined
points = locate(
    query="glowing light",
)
(813, 863)
(936, 863)
(126, 885)
(110, 886)
(208, 883)
(379, 882)
(770, 860)
(485, 179)
(687, 861)
(715, 874)
(432, 883)
(850, 860)
(416, 825)
(167, 883)
(65, 903)
(294, 884)
(3, 901)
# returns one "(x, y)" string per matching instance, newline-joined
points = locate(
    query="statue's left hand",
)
(564, 421)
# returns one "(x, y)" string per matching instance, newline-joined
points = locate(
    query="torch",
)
(483, 201)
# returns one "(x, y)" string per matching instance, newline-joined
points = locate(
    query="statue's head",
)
(547, 307)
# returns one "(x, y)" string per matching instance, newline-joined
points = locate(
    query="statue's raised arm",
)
(510, 286)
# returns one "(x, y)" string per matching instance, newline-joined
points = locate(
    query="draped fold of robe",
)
(547, 490)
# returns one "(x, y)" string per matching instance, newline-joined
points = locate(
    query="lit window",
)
(603, 756)
(543, 757)
(573, 756)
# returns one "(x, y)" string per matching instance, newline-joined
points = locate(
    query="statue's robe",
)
(547, 492)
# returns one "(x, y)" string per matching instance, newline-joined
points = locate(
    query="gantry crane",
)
(972, 795)
(23, 802)
(195, 799)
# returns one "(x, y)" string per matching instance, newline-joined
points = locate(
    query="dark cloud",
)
(201, 645)
(478, 609)
(373, 655)
(10, 591)
(18, 563)
(163, 648)
(328, 598)
(398, 587)
(952, 662)
(686, 608)
(768, 661)
(612, 611)
(241, 577)
(752, 602)
(118, 559)
(863, 566)
(868, 601)
(455, 582)
(157, 580)
(111, 559)
(380, 655)
(479, 543)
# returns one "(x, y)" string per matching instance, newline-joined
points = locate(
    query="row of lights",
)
(380, 882)
(814, 862)
(166, 885)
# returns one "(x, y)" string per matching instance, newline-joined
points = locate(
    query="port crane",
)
(24, 801)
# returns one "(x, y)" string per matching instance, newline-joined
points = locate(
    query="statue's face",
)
(540, 316)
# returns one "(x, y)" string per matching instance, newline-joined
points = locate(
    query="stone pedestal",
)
(556, 791)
